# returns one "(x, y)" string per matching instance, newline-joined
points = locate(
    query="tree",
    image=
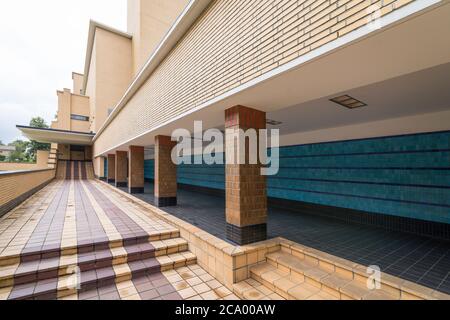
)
(38, 122)
(34, 146)
(19, 155)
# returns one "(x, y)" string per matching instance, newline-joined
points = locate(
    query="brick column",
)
(121, 169)
(136, 170)
(99, 168)
(111, 168)
(246, 196)
(165, 173)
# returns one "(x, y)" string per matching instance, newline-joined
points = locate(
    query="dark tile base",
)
(136, 190)
(111, 181)
(121, 184)
(103, 179)
(246, 235)
(204, 190)
(165, 202)
(430, 229)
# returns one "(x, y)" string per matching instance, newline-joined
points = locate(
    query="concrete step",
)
(63, 286)
(101, 257)
(311, 279)
(86, 246)
(252, 289)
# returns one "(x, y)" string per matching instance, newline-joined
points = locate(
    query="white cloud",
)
(41, 43)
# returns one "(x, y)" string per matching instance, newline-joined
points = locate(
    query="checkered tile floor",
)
(421, 260)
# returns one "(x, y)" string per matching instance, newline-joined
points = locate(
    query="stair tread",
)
(303, 291)
(40, 250)
(96, 277)
(335, 281)
(252, 289)
(308, 289)
(106, 254)
(262, 268)
(288, 260)
(358, 290)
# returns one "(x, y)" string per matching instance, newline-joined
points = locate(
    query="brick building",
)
(358, 90)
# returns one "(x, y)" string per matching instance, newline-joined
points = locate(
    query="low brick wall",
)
(17, 186)
(12, 166)
(41, 163)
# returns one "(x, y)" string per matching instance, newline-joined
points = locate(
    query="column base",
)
(247, 235)
(166, 202)
(121, 184)
(136, 190)
(102, 179)
(111, 181)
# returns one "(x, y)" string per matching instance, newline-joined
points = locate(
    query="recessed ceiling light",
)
(273, 122)
(348, 102)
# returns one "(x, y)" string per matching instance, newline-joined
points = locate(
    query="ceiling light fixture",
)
(273, 122)
(348, 102)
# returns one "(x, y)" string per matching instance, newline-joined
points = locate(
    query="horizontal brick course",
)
(16, 188)
(232, 43)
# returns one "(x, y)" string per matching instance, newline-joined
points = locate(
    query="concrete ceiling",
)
(57, 136)
(417, 93)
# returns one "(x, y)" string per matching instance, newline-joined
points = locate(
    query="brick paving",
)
(120, 250)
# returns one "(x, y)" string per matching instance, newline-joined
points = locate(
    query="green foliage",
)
(2, 158)
(38, 122)
(20, 154)
(34, 146)
(26, 150)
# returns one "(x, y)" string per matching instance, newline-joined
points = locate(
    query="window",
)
(79, 118)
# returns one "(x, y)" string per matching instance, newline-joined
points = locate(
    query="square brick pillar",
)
(136, 170)
(121, 169)
(100, 168)
(111, 178)
(165, 173)
(246, 195)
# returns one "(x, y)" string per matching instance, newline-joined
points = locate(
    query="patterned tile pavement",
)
(122, 251)
(187, 283)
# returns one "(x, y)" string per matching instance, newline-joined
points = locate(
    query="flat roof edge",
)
(54, 130)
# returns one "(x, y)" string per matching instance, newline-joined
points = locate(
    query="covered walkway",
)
(418, 259)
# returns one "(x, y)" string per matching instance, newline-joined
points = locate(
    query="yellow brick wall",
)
(232, 43)
(41, 163)
(110, 74)
(13, 186)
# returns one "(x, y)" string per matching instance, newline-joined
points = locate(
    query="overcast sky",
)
(41, 43)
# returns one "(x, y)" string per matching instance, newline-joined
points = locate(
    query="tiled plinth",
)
(248, 234)
(165, 202)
